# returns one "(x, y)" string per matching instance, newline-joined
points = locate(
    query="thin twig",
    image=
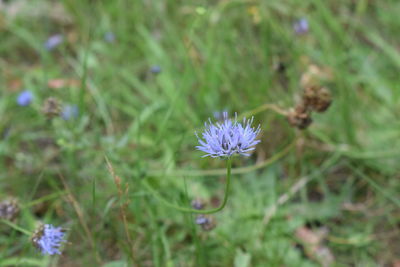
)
(262, 108)
(269, 212)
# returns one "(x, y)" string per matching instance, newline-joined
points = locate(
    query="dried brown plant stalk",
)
(123, 205)
(79, 212)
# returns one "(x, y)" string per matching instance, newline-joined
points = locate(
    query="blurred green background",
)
(134, 79)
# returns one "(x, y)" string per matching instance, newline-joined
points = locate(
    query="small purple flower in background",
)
(198, 204)
(53, 41)
(155, 69)
(207, 222)
(48, 239)
(109, 37)
(69, 112)
(24, 98)
(201, 219)
(301, 26)
(9, 209)
(228, 138)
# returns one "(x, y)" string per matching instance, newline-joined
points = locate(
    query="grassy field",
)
(132, 81)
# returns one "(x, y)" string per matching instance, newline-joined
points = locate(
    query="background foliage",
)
(213, 55)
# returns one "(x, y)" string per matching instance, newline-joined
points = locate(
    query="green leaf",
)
(22, 262)
(116, 264)
(242, 259)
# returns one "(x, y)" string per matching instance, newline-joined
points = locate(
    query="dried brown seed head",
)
(314, 75)
(51, 107)
(299, 117)
(317, 98)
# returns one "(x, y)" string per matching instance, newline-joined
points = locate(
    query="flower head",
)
(198, 204)
(48, 239)
(299, 117)
(317, 98)
(207, 222)
(24, 98)
(109, 37)
(228, 138)
(53, 41)
(201, 219)
(9, 209)
(301, 26)
(51, 107)
(69, 111)
(155, 69)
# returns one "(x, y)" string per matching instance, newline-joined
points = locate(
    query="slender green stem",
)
(43, 199)
(227, 185)
(264, 107)
(16, 227)
(184, 209)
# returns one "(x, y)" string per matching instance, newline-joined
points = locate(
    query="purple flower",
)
(219, 115)
(207, 222)
(301, 26)
(198, 204)
(201, 219)
(155, 69)
(53, 41)
(48, 239)
(9, 209)
(24, 98)
(69, 111)
(109, 37)
(228, 138)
